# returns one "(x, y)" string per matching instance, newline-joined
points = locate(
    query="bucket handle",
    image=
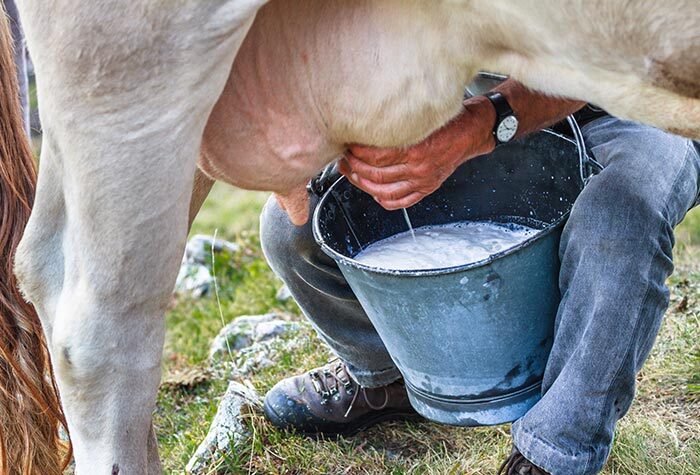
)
(588, 166)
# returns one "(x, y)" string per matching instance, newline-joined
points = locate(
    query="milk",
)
(435, 247)
(408, 223)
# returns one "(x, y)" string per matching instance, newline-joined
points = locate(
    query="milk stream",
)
(408, 222)
(436, 247)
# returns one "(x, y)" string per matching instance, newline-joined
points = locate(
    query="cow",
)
(145, 103)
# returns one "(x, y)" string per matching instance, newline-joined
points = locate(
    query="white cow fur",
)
(126, 90)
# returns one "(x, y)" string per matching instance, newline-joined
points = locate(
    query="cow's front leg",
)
(98, 260)
(125, 91)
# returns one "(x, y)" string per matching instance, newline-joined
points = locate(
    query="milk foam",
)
(449, 245)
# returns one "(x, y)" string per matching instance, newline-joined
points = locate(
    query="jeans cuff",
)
(551, 459)
(374, 379)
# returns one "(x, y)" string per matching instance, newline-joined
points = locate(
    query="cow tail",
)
(30, 409)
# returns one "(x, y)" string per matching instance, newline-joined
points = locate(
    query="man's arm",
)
(401, 177)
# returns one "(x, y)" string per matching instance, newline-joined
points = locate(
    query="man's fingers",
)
(383, 191)
(296, 204)
(388, 174)
(379, 157)
(404, 202)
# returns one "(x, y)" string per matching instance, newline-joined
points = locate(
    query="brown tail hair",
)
(30, 409)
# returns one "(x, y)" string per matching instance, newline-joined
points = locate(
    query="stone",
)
(263, 354)
(283, 294)
(199, 247)
(254, 358)
(194, 279)
(195, 276)
(228, 430)
(265, 331)
(246, 330)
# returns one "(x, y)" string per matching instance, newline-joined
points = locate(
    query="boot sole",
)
(351, 429)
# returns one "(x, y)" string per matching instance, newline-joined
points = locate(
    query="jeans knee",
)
(283, 243)
(615, 214)
(272, 243)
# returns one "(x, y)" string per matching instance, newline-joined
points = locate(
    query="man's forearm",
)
(400, 177)
(534, 111)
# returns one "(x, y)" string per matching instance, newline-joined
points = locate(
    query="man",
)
(616, 253)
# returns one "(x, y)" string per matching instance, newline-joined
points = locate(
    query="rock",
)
(238, 334)
(283, 294)
(228, 430)
(267, 330)
(194, 279)
(254, 358)
(195, 276)
(199, 247)
(263, 354)
(246, 330)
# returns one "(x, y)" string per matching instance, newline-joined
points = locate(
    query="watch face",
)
(507, 128)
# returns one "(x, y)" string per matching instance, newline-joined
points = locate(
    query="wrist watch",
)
(506, 122)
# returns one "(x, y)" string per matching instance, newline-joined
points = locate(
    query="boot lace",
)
(327, 381)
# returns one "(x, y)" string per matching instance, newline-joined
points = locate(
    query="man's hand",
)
(401, 177)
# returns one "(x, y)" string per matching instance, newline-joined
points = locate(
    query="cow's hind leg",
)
(621, 95)
(123, 108)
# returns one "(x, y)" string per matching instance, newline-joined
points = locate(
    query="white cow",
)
(132, 92)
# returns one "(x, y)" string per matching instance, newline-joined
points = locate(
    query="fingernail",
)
(355, 177)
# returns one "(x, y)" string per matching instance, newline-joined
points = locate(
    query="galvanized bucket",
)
(471, 341)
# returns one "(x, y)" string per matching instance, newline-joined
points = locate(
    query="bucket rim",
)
(349, 261)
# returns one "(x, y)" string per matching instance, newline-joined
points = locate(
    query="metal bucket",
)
(471, 341)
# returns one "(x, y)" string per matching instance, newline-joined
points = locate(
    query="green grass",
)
(33, 102)
(230, 211)
(660, 435)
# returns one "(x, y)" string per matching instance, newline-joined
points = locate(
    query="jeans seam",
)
(551, 445)
(636, 325)
(696, 148)
(373, 376)
(376, 372)
(688, 148)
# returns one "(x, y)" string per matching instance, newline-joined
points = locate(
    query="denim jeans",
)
(20, 58)
(616, 253)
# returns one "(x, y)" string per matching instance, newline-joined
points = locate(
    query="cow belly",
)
(313, 76)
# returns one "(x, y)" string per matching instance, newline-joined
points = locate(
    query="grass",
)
(661, 433)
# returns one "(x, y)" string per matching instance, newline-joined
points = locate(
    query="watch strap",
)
(502, 108)
(501, 105)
